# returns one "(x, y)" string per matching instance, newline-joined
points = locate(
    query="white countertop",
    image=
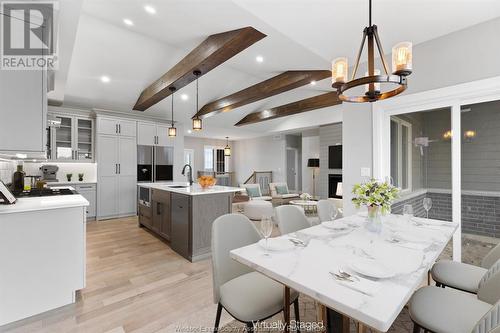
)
(52, 184)
(44, 203)
(306, 269)
(194, 189)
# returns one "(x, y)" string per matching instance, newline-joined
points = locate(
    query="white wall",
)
(357, 147)
(260, 154)
(310, 149)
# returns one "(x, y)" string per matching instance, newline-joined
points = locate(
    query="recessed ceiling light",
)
(259, 59)
(128, 22)
(105, 79)
(184, 97)
(150, 9)
(313, 83)
(189, 131)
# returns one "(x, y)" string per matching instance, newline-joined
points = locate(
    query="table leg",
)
(286, 308)
(336, 322)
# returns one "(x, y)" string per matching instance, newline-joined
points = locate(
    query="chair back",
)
(490, 322)
(325, 209)
(272, 188)
(489, 286)
(229, 232)
(252, 186)
(291, 218)
(491, 257)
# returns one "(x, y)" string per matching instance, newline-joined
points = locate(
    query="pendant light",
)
(172, 131)
(373, 80)
(197, 125)
(227, 149)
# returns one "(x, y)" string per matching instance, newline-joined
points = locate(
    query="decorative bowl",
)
(206, 181)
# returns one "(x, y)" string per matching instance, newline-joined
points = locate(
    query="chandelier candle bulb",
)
(339, 70)
(402, 58)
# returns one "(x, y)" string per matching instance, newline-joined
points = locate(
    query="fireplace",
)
(333, 181)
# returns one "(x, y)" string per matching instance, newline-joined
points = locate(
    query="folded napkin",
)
(362, 285)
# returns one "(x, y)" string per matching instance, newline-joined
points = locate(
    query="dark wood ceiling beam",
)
(212, 52)
(276, 85)
(304, 105)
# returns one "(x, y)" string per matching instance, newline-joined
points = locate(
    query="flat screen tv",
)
(335, 157)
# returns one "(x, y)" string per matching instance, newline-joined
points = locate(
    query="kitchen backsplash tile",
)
(88, 169)
(7, 168)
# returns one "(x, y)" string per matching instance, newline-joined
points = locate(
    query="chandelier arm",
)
(359, 54)
(380, 50)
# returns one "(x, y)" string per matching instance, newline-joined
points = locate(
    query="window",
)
(401, 144)
(208, 158)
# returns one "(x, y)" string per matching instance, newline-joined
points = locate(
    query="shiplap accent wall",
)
(329, 135)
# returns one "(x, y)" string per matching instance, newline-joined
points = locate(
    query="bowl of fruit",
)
(206, 181)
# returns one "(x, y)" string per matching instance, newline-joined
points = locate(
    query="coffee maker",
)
(49, 172)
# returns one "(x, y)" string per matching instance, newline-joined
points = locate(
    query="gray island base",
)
(183, 216)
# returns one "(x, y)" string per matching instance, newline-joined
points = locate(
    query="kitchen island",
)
(183, 214)
(42, 254)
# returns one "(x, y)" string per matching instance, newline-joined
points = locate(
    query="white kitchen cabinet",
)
(146, 134)
(23, 114)
(114, 126)
(88, 191)
(151, 134)
(116, 169)
(73, 140)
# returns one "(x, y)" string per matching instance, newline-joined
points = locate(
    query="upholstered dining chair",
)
(451, 311)
(291, 218)
(246, 295)
(465, 277)
(325, 209)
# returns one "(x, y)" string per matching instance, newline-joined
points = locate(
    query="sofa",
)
(254, 192)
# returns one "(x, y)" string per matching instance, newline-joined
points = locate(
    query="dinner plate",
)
(371, 268)
(277, 244)
(335, 225)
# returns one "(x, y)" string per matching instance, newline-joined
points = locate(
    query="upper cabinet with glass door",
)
(72, 140)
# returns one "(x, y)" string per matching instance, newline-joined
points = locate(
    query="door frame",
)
(452, 97)
(296, 178)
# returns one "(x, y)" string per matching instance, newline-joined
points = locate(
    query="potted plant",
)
(377, 197)
(305, 196)
(80, 177)
(68, 176)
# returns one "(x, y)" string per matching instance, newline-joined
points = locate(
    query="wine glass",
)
(427, 205)
(333, 213)
(408, 212)
(266, 228)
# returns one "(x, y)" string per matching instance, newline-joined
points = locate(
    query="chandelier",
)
(373, 86)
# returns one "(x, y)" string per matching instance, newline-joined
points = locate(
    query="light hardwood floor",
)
(135, 283)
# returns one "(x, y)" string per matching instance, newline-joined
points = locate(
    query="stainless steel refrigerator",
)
(154, 164)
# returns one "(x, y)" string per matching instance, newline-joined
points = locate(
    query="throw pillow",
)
(281, 189)
(253, 192)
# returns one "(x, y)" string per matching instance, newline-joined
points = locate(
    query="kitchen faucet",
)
(190, 173)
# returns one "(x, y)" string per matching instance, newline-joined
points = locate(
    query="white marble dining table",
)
(406, 247)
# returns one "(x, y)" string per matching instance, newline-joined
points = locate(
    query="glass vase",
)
(374, 223)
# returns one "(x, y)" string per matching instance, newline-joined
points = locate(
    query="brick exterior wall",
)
(480, 214)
